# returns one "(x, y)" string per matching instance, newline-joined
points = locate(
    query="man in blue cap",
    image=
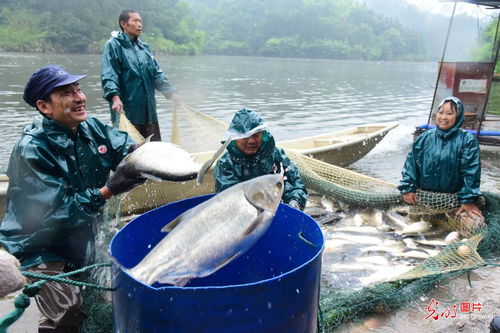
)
(58, 184)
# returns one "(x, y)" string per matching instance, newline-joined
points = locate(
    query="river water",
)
(297, 97)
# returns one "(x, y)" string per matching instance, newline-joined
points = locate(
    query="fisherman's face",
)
(446, 116)
(66, 105)
(132, 27)
(250, 146)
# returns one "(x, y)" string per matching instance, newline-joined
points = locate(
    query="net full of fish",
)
(372, 246)
(210, 235)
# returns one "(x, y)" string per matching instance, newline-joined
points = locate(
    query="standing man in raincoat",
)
(445, 159)
(58, 183)
(129, 76)
(253, 153)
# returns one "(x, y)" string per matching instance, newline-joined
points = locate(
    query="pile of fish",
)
(368, 246)
(208, 236)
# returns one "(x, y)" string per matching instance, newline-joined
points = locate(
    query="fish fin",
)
(147, 139)
(176, 281)
(150, 176)
(172, 224)
(227, 261)
(204, 168)
(253, 226)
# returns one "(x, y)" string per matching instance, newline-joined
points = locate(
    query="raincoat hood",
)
(460, 117)
(245, 123)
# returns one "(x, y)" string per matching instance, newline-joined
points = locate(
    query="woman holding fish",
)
(445, 159)
(252, 152)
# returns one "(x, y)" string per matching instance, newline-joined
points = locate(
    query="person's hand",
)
(11, 278)
(471, 208)
(117, 105)
(176, 99)
(133, 147)
(294, 204)
(410, 198)
(119, 183)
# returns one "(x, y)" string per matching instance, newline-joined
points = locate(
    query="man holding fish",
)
(58, 182)
(252, 152)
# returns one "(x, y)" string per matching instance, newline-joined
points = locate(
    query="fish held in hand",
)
(161, 161)
(207, 237)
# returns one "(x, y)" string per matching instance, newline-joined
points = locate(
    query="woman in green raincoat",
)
(253, 153)
(445, 159)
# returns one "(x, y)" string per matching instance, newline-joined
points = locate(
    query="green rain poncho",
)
(235, 167)
(53, 195)
(444, 161)
(130, 70)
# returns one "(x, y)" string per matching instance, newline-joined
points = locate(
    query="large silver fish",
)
(210, 235)
(161, 161)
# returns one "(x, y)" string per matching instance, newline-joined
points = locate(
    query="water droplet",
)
(297, 291)
(269, 305)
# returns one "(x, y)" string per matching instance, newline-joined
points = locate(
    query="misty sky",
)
(446, 8)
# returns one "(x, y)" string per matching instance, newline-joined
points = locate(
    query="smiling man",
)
(58, 184)
(130, 74)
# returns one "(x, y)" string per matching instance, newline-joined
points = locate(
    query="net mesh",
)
(336, 305)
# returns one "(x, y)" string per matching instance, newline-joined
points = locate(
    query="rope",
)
(302, 238)
(22, 301)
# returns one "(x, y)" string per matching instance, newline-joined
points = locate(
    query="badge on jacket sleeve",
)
(102, 149)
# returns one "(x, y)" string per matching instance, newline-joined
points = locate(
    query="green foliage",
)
(338, 29)
(72, 26)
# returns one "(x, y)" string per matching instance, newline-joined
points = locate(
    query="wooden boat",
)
(342, 147)
(338, 148)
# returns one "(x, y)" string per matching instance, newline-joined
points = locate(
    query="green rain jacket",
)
(444, 161)
(130, 70)
(53, 195)
(235, 167)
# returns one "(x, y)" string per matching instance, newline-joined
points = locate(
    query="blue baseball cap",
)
(42, 82)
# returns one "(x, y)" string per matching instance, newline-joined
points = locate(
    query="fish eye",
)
(279, 184)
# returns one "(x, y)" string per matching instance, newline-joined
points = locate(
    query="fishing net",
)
(340, 306)
(336, 305)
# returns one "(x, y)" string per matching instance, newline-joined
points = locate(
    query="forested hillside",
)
(338, 29)
(82, 26)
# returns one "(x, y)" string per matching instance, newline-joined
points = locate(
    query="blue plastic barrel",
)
(274, 287)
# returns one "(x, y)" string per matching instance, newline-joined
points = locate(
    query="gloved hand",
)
(119, 183)
(294, 204)
(11, 278)
(133, 147)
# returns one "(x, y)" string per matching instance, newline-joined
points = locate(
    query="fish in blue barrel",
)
(208, 236)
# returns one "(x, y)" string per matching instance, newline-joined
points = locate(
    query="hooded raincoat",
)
(130, 70)
(53, 195)
(235, 167)
(444, 161)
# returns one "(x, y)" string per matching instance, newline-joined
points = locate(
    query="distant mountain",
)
(433, 28)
